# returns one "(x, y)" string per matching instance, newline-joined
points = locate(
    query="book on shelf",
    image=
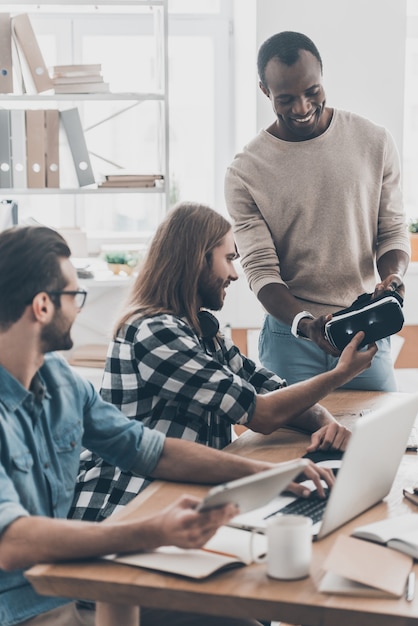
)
(139, 184)
(228, 548)
(131, 180)
(358, 568)
(96, 87)
(34, 70)
(76, 70)
(81, 78)
(133, 177)
(6, 67)
(399, 533)
(70, 80)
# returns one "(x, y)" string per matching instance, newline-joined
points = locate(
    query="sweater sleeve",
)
(392, 231)
(257, 250)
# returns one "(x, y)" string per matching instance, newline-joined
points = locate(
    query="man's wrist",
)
(295, 323)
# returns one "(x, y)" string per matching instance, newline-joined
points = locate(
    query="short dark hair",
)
(284, 46)
(29, 264)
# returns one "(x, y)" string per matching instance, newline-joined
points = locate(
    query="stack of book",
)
(131, 180)
(81, 78)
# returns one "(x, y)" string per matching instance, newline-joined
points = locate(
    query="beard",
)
(211, 291)
(57, 335)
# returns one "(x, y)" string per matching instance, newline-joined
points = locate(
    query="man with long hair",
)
(47, 414)
(171, 368)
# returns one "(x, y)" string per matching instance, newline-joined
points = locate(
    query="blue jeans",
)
(298, 359)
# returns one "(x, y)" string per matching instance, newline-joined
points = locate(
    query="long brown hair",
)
(168, 278)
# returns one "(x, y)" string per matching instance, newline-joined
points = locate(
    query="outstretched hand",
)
(353, 361)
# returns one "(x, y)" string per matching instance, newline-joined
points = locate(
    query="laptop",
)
(364, 475)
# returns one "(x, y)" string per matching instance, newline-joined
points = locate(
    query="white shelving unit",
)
(103, 8)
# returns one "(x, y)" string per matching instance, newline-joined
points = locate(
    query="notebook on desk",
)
(365, 473)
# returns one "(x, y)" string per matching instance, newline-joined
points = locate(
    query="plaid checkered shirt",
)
(158, 371)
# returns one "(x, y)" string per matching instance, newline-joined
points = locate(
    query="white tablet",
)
(251, 492)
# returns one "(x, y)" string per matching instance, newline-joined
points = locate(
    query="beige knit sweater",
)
(316, 214)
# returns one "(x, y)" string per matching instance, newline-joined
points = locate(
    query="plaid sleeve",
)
(102, 489)
(160, 360)
(262, 379)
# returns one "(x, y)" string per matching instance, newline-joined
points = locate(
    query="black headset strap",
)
(209, 325)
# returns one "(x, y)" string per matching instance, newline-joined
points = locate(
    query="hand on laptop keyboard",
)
(321, 478)
(312, 507)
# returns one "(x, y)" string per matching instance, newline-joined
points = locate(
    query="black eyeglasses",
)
(80, 296)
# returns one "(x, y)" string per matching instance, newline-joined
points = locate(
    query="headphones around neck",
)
(209, 325)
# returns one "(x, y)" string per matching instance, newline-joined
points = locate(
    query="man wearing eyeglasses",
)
(47, 414)
(55, 331)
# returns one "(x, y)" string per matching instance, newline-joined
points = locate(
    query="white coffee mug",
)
(289, 547)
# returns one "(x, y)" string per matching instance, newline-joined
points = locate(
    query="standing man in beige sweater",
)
(317, 211)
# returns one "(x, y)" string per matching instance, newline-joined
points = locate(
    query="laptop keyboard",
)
(312, 507)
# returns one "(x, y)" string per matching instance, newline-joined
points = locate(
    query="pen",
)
(410, 587)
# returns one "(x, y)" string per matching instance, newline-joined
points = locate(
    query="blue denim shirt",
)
(42, 432)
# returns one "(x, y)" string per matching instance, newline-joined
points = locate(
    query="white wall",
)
(362, 45)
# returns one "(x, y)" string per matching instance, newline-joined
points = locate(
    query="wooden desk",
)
(245, 591)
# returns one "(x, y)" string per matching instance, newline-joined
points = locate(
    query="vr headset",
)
(378, 318)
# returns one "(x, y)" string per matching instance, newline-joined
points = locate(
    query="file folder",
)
(52, 148)
(18, 129)
(30, 50)
(76, 140)
(35, 148)
(5, 150)
(6, 72)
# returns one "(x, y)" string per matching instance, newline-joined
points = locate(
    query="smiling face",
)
(218, 274)
(298, 97)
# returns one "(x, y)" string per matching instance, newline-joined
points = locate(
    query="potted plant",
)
(413, 236)
(120, 261)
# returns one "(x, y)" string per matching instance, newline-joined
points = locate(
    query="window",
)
(201, 96)
(200, 111)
